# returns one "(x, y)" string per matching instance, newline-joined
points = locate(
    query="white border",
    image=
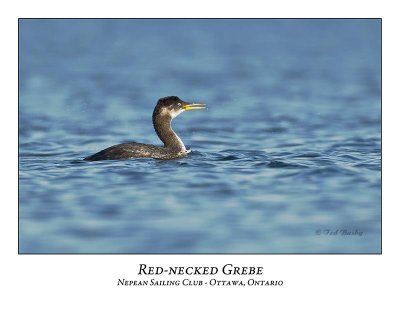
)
(312, 281)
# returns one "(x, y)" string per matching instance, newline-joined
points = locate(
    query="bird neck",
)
(162, 126)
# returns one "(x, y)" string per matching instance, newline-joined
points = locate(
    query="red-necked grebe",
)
(166, 109)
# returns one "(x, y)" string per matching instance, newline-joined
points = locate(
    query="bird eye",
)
(179, 104)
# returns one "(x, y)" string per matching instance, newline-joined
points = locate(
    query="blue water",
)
(286, 157)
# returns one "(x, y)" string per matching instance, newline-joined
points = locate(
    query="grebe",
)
(166, 109)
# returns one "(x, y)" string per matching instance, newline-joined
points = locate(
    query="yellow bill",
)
(194, 106)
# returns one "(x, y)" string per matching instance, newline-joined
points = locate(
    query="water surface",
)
(286, 159)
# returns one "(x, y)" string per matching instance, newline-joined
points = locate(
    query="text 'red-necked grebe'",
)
(166, 109)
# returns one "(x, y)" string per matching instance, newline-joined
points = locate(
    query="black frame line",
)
(202, 18)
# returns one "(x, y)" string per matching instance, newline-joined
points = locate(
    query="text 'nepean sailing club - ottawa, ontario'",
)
(226, 270)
